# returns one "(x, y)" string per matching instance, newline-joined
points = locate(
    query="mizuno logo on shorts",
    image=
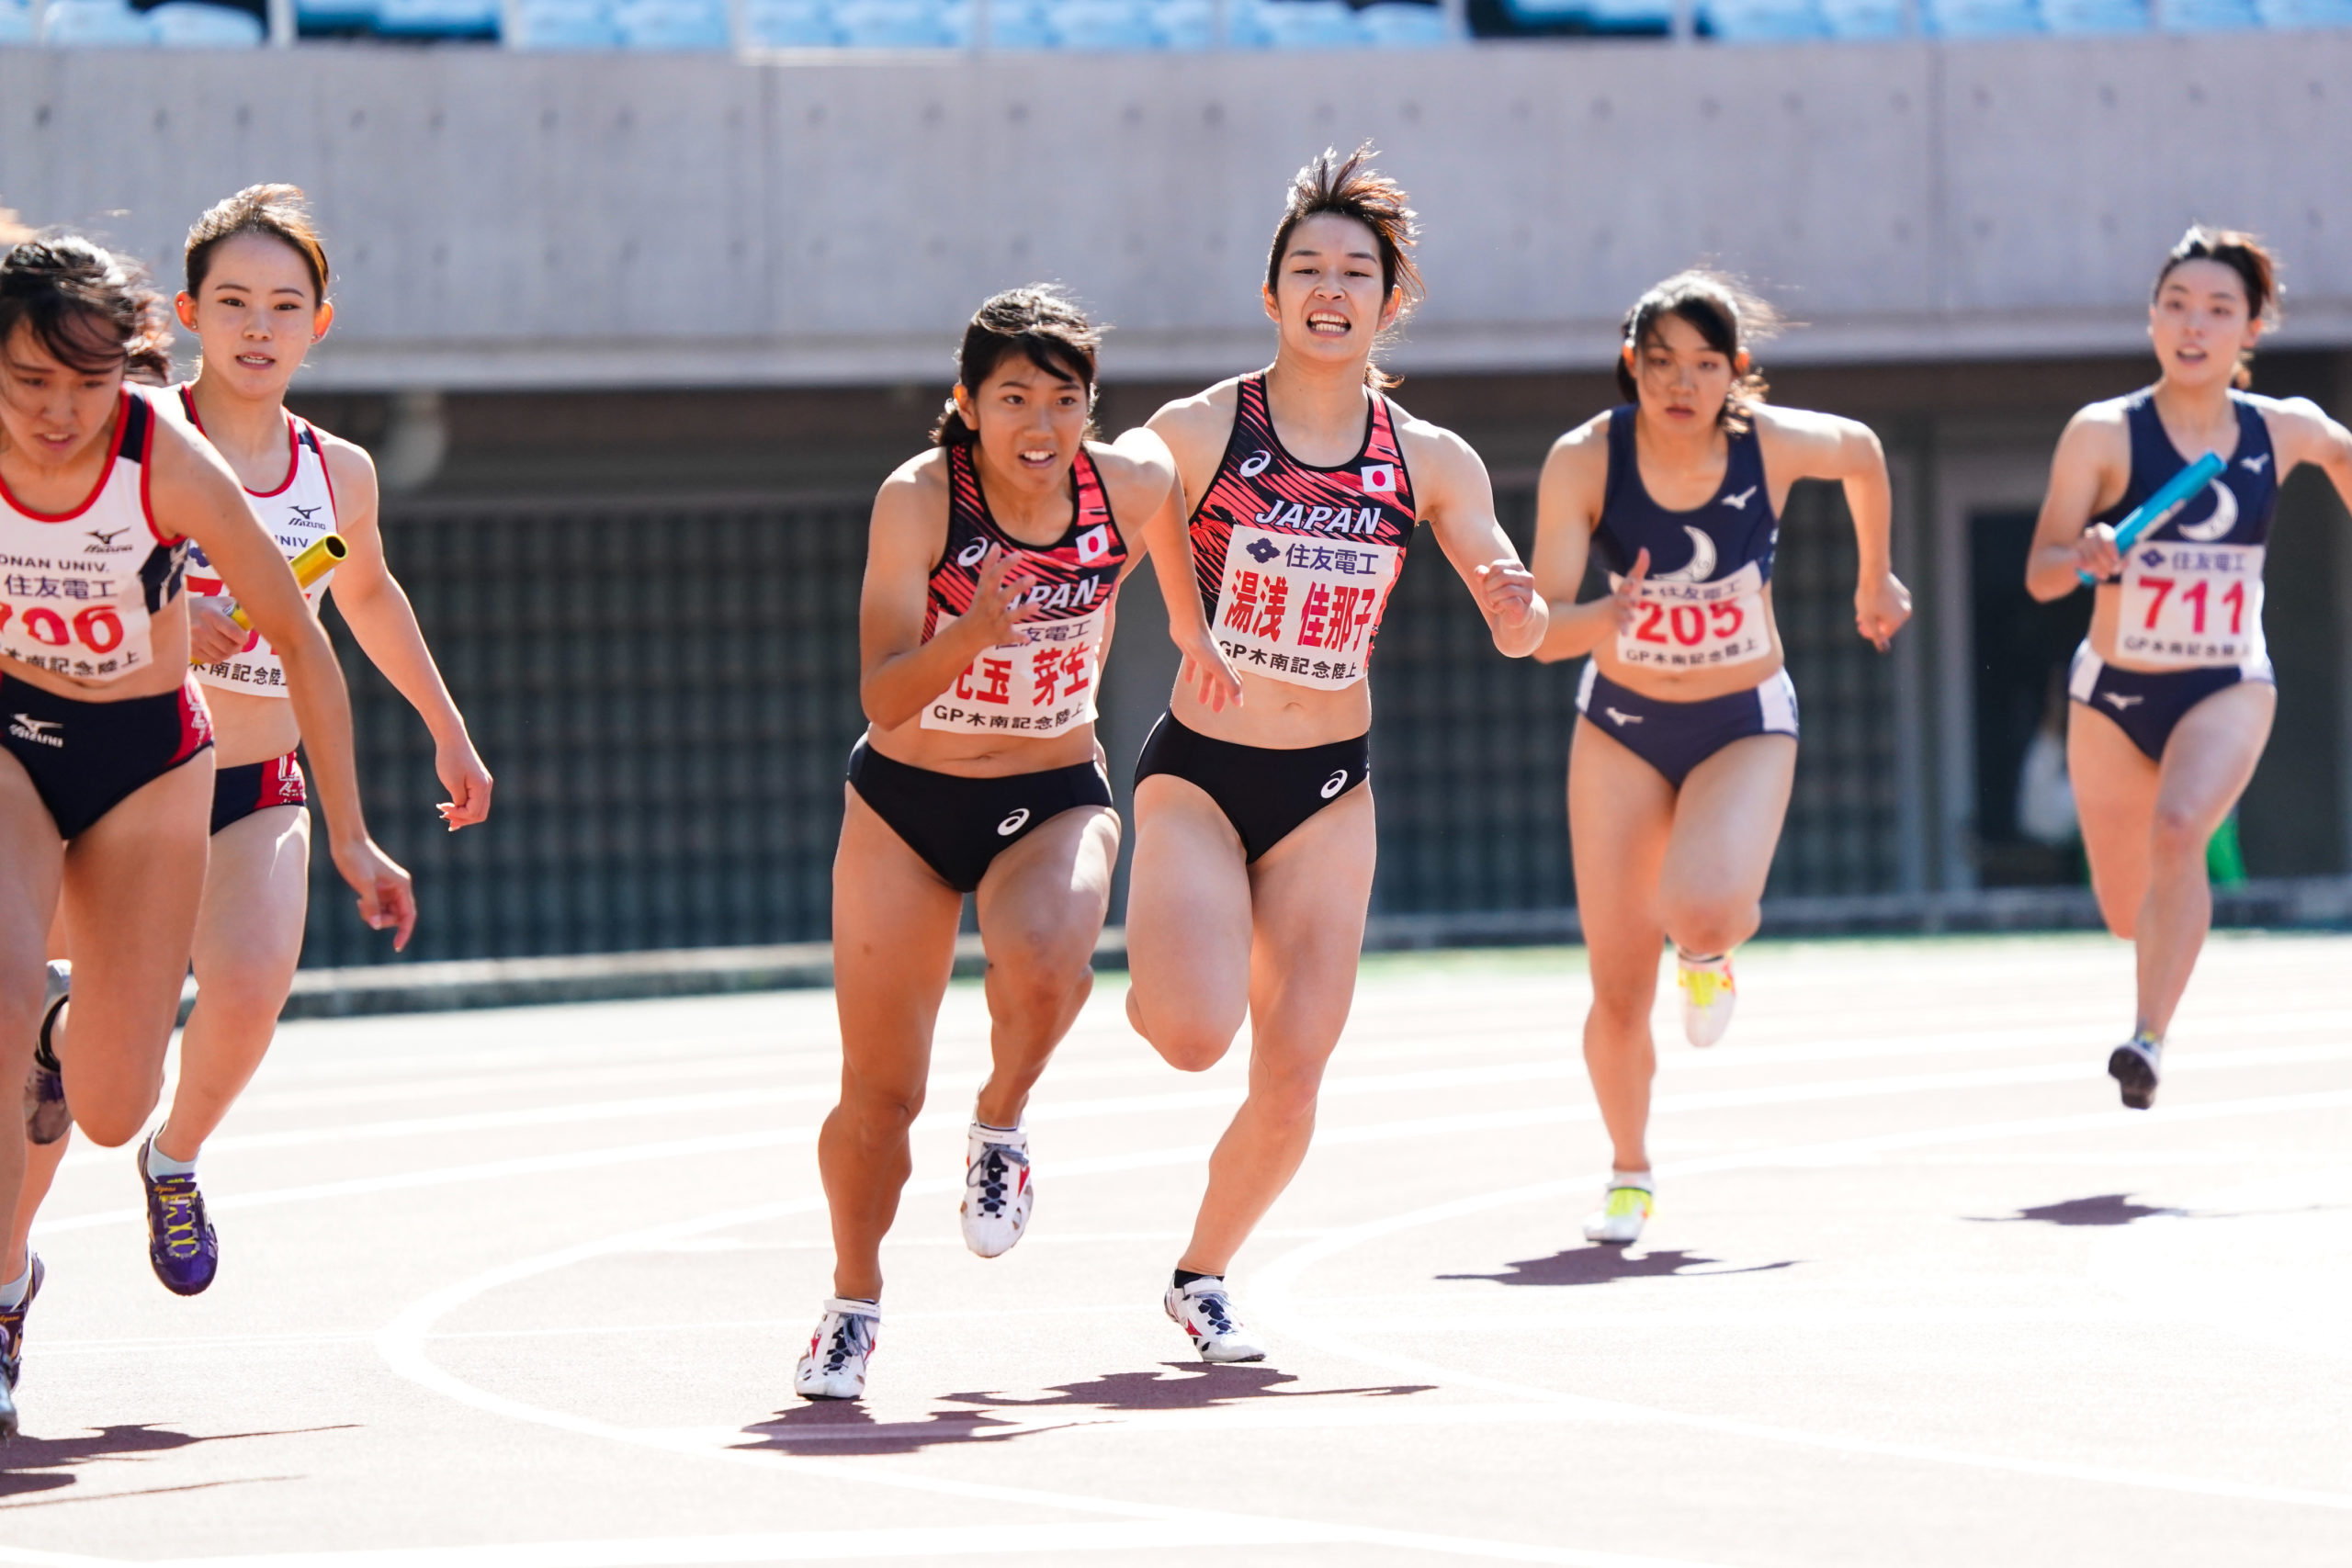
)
(39, 730)
(1335, 783)
(1622, 718)
(1012, 824)
(2118, 700)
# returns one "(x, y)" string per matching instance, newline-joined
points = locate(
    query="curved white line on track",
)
(1272, 1289)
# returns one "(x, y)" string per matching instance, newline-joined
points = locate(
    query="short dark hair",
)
(2243, 254)
(1723, 312)
(1040, 322)
(91, 311)
(1351, 187)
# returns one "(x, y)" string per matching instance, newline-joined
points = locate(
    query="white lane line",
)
(1273, 1291)
(32, 1558)
(1189, 1533)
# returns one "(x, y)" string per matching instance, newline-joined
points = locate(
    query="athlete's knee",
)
(2177, 832)
(1708, 925)
(112, 1119)
(1040, 977)
(879, 1108)
(1288, 1091)
(244, 992)
(1190, 1045)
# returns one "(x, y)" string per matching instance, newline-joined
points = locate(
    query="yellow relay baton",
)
(309, 566)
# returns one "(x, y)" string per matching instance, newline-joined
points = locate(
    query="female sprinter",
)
(991, 566)
(256, 299)
(1679, 771)
(2172, 690)
(1254, 821)
(102, 826)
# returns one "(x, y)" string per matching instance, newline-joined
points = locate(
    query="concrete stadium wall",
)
(507, 221)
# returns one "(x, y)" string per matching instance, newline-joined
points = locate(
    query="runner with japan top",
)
(1253, 817)
(991, 570)
(2173, 691)
(106, 780)
(1680, 773)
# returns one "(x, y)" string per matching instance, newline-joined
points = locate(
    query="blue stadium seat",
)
(88, 24)
(334, 16)
(16, 24)
(1547, 14)
(2284, 14)
(791, 24)
(434, 18)
(1398, 24)
(2209, 16)
(672, 24)
(1631, 16)
(1764, 21)
(568, 24)
(1978, 18)
(1294, 24)
(1184, 24)
(1020, 24)
(2075, 17)
(1863, 19)
(1101, 25)
(893, 24)
(185, 24)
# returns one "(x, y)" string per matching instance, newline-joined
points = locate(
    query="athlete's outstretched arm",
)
(2093, 462)
(381, 616)
(2305, 433)
(195, 493)
(899, 673)
(1456, 499)
(1829, 447)
(1568, 508)
(1168, 539)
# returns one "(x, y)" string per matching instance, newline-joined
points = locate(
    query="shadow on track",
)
(1606, 1265)
(47, 1464)
(2107, 1208)
(837, 1428)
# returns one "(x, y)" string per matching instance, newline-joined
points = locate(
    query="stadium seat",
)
(1400, 24)
(672, 24)
(1978, 18)
(185, 24)
(1020, 24)
(2208, 15)
(1863, 19)
(88, 24)
(2078, 17)
(789, 24)
(1184, 24)
(437, 18)
(1764, 21)
(893, 24)
(16, 24)
(2285, 14)
(334, 16)
(568, 24)
(1101, 25)
(1631, 18)
(1293, 23)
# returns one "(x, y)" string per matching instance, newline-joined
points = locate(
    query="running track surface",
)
(525, 1286)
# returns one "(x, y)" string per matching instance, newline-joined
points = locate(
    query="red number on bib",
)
(1648, 631)
(1698, 625)
(2163, 586)
(100, 628)
(2197, 596)
(44, 626)
(2235, 599)
(1728, 617)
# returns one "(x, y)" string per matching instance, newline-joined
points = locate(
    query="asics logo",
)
(1257, 463)
(1335, 783)
(2118, 700)
(1739, 503)
(1622, 718)
(40, 731)
(1012, 824)
(2255, 465)
(970, 554)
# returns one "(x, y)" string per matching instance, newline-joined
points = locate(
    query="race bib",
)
(1692, 625)
(2188, 604)
(1302, 609)
(1042, 682)
(72, 619)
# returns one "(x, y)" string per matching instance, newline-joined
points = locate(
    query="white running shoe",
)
(2137, 1064)
(1203, 1309)
(1619, 1219)
(1708, 997)
(997, 1194)
(834, 1366)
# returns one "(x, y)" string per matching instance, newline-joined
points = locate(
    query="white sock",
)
(1012, 1136)
(1640, 1178)
(1693, 961)
(12, 1294)
(160, 1164)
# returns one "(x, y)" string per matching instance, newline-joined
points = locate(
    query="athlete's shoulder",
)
(925, 472)
(1580, 453)
(1431, 451)
(1210, 409)
(351, 469)
(2276, 409)
(1137, 471)
(2107, 413)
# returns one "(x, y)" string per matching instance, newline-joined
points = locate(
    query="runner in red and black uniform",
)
(990, 573)
(1254, 825)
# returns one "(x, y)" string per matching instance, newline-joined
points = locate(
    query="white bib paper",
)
(1693, 626)
(1042, 682)
(1303, 609)
(2187, 604)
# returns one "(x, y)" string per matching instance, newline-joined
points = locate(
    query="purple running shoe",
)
(46, 1116)
(11, 1350)
(180, 1240)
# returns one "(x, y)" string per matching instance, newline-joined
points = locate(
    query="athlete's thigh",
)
(894, 949)
(1044, 900)
(133, 880)
(1309, 896)
(32, 860)
(1727, 821)
(256, 895)
(1621, 813)
(2212, 753)
(1188, 912)
(2115, 802)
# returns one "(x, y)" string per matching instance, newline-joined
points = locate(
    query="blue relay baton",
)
(2170, 498)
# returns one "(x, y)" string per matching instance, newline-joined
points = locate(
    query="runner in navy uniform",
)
(991, 567)
(1254, 823)
(103, 820)
(2172, 693)
(1680, 773)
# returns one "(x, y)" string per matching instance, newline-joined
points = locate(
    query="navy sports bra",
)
(1736, 527)
(2236, 509)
